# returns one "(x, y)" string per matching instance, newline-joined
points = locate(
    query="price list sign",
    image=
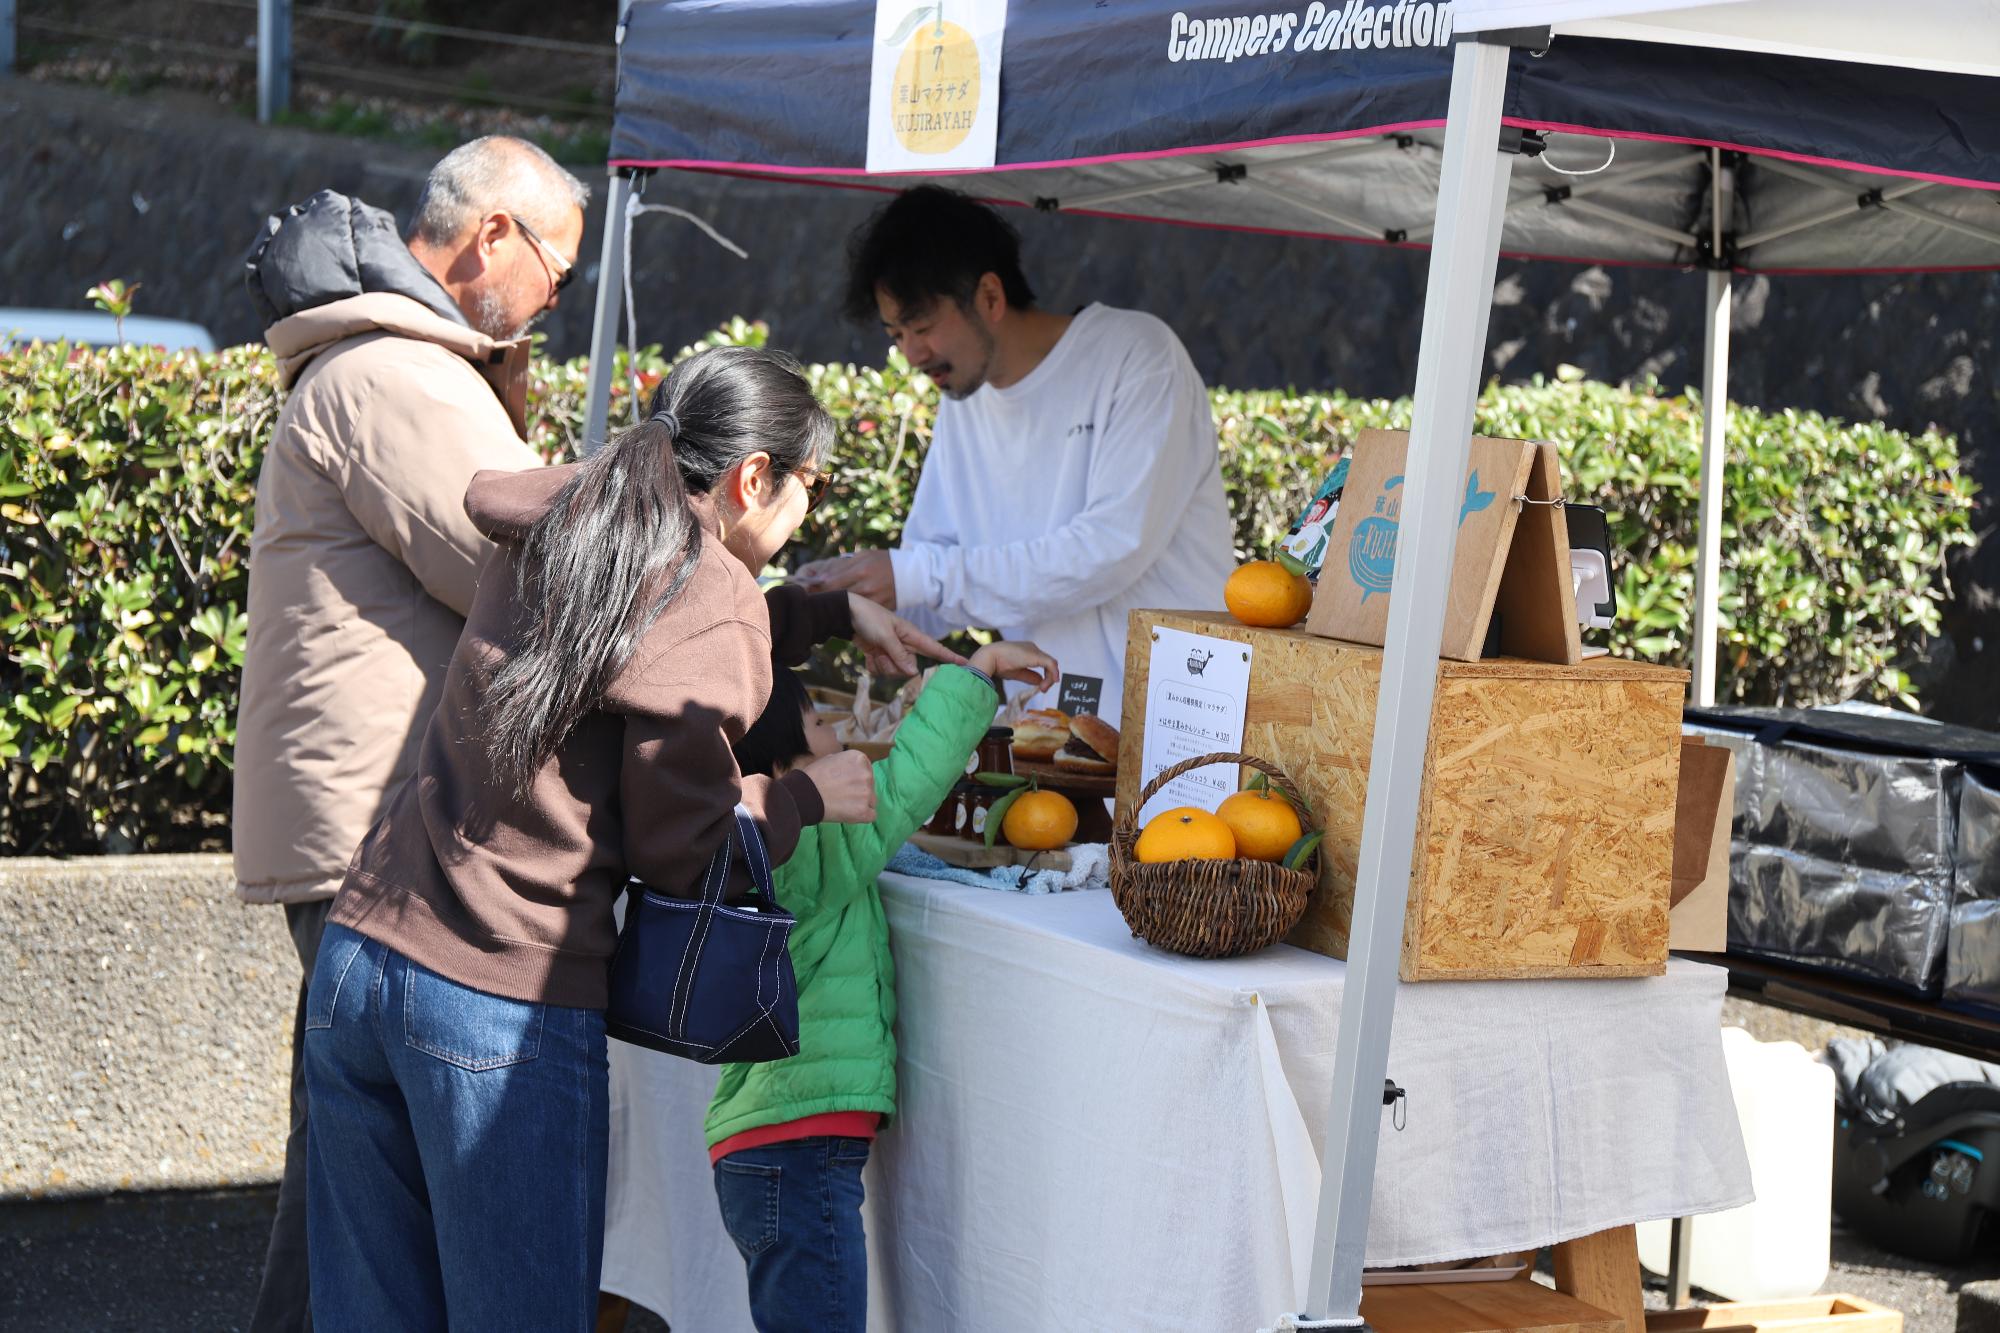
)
(1196, 691)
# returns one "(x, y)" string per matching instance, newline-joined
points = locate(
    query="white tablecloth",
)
(1095, 1134)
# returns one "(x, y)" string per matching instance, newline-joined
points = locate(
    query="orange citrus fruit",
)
(1265, 593)
(1185, 834)
(1265, 825)
(1039, 821)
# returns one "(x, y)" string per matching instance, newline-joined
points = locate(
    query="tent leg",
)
(1472, 197)
(274, 59)
(604, 328)
(1714, 419)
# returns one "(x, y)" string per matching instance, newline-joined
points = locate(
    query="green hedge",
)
(127, 480)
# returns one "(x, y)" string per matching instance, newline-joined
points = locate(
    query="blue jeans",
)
(794, 1210)
(456, 1145)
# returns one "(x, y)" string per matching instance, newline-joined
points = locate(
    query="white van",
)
(97, 329)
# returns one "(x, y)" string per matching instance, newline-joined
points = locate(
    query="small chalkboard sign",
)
(1080, 694)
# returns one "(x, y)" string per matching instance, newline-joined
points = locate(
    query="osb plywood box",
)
(1546, 832)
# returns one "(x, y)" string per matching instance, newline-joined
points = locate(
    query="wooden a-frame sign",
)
(1511, 559)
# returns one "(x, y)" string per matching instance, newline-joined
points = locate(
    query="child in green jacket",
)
(799, 1129)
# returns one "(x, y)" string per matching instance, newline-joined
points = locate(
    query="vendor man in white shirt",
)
(1072, 474)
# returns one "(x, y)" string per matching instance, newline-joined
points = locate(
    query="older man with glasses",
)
(405, 364)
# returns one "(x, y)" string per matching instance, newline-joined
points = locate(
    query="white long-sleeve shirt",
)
(1050, 509)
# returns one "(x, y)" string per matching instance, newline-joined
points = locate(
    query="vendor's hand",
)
(846, 783)
(869, 573)
(1018, 661)
(890, 642)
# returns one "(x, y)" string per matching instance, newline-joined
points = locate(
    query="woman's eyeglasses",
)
(815, 483)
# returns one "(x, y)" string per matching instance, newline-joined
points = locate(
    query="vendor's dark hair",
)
(931, 242)
(778, 737)
(621, 540)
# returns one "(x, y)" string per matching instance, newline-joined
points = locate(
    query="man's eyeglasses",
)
(564, 270)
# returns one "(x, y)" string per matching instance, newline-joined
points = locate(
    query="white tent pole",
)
(1945, 220)
(1714, 448)
(1578, 189)
(1611, 180)
(1347, 148)
(274, 59)
(604, 325)
(610, 283)
(1472, 197)
(1888, 200)
(1851, 209)
(1714, 417)
(1304, 205)
(1629, 221)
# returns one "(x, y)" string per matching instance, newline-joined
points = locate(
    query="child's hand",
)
(1018, 661)
(846, 782)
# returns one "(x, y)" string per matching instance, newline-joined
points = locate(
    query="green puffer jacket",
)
(840, 948)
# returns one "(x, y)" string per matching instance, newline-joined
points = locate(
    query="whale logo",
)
(1371, 552)
(1475, 499)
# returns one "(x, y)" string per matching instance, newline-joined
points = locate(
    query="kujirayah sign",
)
(934, 89)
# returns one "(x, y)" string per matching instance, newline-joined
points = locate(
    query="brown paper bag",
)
(1352, 600)
(1704, 809)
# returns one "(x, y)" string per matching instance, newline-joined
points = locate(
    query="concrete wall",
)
(145, 1027)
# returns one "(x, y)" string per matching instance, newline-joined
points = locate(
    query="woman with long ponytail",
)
(617, 648)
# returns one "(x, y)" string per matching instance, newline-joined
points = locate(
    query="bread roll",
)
(1092, 746)
(1039, 734)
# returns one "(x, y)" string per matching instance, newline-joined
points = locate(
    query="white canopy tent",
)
(1092, 122)
(1577, 192)
(1472, 200)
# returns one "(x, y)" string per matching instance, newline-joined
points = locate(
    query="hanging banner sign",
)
(934, 94)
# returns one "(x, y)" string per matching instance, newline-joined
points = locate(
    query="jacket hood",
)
(297, 339)
(330, 248)
(504, 505)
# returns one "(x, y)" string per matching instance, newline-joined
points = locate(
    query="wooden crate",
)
(1545, 837)
(1518, 1305)
(1808, 1314)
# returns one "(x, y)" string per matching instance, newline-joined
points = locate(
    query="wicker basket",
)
(1207, 908)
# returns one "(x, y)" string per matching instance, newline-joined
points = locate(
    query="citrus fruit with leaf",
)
(1039, 821)
(1263, 822)
(1266, 594)
(1185, 834)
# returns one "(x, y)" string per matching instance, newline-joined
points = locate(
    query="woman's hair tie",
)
(670, 421)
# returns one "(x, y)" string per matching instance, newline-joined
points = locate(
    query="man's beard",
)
(489, 316)
(966, 381)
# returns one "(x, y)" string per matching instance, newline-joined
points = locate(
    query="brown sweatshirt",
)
(514, 897)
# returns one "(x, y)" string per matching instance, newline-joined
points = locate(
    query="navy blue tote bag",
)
(703, 979)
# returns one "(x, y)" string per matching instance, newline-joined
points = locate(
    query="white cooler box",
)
(1776, 1247)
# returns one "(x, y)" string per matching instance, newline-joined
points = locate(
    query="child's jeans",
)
(794, 1210)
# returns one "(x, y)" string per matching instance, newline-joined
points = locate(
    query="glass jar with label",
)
(955, 815)
(996, 752)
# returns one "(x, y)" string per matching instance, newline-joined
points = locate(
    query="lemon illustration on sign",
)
(937, 82)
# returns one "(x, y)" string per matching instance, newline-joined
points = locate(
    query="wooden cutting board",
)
(1068, 780)
(978, 856)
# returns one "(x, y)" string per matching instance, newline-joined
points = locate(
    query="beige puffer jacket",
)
(362, 567)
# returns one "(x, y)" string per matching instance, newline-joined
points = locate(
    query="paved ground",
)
(168, 1263)
(163, 1263)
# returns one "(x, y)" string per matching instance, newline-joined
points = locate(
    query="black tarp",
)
(1103, 96)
